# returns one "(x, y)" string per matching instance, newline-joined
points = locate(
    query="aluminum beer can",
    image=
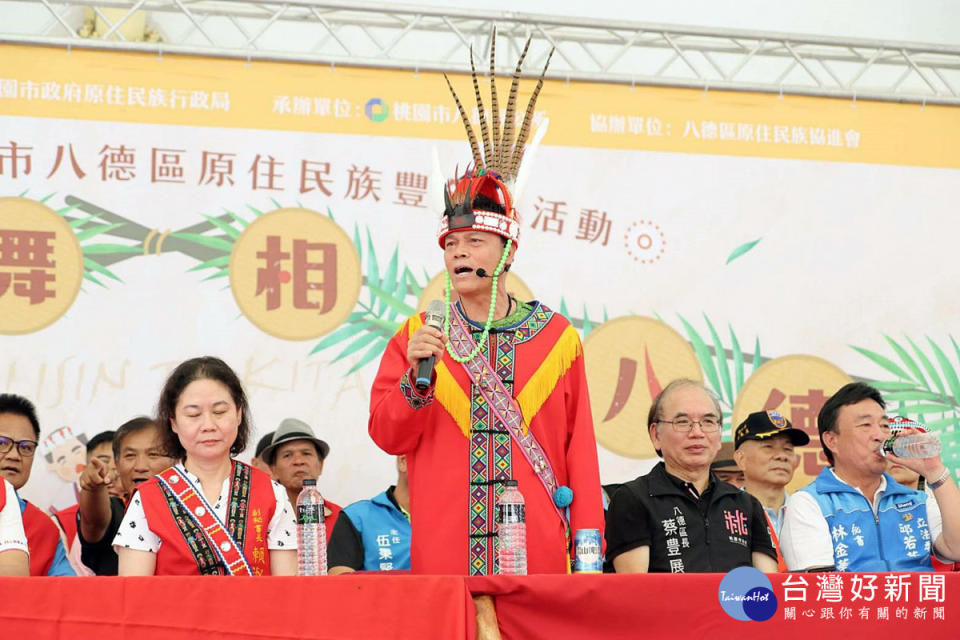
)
(587, 551)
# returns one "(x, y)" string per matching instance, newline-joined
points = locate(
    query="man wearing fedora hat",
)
(294, 454)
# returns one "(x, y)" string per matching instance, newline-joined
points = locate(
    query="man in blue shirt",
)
(855, 516)
(374, 535)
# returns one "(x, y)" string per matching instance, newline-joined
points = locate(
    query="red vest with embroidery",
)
(67, 519)
(42, 539)
(188, 554)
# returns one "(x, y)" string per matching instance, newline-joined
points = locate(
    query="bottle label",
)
(887, 446)
(510, 513)
(308, 514)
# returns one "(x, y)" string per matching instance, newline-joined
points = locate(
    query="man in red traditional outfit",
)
(19, 432)
(508, 397)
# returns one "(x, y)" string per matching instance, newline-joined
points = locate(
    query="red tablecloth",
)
(596, 607)
(209, 608)
(626, 607)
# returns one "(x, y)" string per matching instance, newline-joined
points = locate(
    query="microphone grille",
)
(435, 313)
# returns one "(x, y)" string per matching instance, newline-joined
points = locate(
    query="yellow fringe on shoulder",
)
(447, 391)
(413, 324)
(453, 398)
(543, 382)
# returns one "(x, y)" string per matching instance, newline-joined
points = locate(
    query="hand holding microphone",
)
(426, 345)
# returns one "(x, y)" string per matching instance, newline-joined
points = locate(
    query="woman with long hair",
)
(208, 514)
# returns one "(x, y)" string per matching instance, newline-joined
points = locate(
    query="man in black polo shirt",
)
(679, 518)
(138, 457)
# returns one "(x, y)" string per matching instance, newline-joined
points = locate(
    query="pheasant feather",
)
(494, 103)
(527, 119)
(505, 151)
(484, 131)
(466, 125)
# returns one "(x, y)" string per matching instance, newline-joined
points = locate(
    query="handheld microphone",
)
(434, 318)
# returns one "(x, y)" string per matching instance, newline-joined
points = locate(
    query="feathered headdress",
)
(482, 198)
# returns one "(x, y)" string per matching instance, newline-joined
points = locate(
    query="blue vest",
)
(384, 532)
(897, 539)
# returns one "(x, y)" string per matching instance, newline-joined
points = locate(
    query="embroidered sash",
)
(504, 407)
(214, 547)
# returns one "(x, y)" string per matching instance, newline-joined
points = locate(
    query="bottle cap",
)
(309, 482)
(510, 483)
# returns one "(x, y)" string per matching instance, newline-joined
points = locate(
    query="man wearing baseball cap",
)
(764, 444)
(294, 454)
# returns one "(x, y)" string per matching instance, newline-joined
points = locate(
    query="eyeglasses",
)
(707, 425)
(26, 447)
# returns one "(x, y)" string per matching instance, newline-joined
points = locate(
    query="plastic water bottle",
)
(511, 531)
(311, 532)
(917, 445)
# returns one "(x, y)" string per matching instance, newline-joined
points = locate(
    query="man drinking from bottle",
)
(854, 516)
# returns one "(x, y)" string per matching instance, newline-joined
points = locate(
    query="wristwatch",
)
(936, 484)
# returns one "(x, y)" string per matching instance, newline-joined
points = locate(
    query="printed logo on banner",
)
(377, 110)
(41, 266)
(628, 361)
(295, 274)
(747, 594)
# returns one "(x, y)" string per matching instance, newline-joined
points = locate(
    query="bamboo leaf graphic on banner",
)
(928, 367)
(907, 360)
(703, 355)
(389, 282)
(356, 345)
(949, 373)
(341, 334)
(220, 261)
(236, 218)
(412, 282)
(389, 301)
(92, 265)
(721, 359)
(226, 227)
(373, 271)
(587, 325)
(921, 393)
(374, 351)
(211, 242)
(101, 248)
(757, 357)
(929, 407)
(895, 386)
(884, 362)
(912, 395)
(742, 249)
(737, 359)
(91, 232)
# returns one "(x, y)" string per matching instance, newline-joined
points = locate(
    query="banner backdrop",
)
(279, 215)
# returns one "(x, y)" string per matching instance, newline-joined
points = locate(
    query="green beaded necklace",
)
(493, 304)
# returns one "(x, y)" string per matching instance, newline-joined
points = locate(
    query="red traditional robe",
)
(42, 538)
(176, 557)
(456, 460)
(67, 519)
